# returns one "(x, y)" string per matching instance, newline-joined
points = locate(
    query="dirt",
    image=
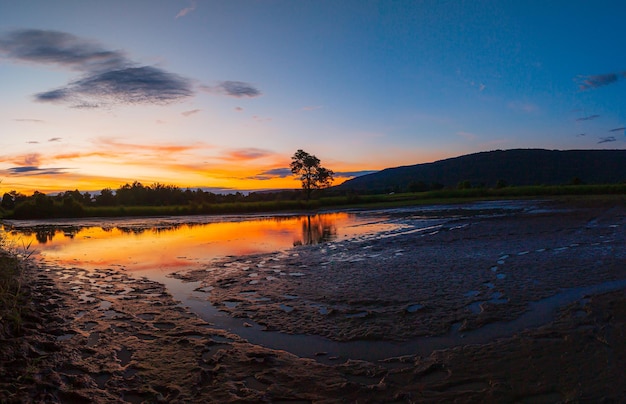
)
(102, 336)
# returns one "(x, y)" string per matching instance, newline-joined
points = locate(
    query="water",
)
(157, 247)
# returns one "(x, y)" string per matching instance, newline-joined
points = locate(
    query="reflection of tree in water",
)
(315, 230)
(44, 235)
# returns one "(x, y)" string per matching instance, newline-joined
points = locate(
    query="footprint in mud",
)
(93, 338)
(124, 355)
(164, 325)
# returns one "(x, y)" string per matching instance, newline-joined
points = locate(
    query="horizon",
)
(219, 95)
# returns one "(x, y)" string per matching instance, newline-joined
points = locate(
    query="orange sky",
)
(100, 94)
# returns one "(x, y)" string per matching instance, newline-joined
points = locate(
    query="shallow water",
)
(157, 247)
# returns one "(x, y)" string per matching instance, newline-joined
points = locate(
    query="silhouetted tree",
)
(312, 175)
(106, 198)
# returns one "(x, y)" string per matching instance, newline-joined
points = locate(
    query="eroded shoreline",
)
(107, 337)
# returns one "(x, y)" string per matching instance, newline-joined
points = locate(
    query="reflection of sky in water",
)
(165, 245)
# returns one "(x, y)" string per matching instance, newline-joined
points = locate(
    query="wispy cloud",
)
(131, 148)
(188, 113)
(588, 118)
(238, 89)
(29, 120)
(31, 159)
(186, 10)
(618, 129)
(350, 174)
(55, 139)
(598, 80)
(272, 174)
(238, 109)
(523, 106)
(607, 139)
(108, 76)
(249, 153)
(312, 107)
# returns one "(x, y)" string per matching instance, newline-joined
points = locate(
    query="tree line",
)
(73, 203)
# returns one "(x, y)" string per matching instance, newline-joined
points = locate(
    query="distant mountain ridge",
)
(513, 167)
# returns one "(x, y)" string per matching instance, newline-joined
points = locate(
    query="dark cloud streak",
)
(34, 170)
(607, 139)
(588, 118)
(598, 80)
(60, 48)
(238, 89)
(109, 76)
(273, 173)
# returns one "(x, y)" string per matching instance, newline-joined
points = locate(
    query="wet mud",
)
(106, 337)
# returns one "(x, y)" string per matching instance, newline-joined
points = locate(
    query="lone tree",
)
(311, 173)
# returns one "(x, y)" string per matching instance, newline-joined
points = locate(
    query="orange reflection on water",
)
(177, 246)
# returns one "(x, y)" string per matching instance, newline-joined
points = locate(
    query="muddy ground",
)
(102, 336)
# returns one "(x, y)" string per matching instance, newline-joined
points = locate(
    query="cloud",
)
(588, 118)
(618, 129)
(354, 173)
(581, 134)
(32, 142)
(312, 107)
(607, 139)
(29, 120)
(55, 139)
(60, 48)
(238, 89)
(595, 81)
(186, 10)
(108, 76)
(249, 153)
(32, 159)
(133, 148)
(188, 113)
(34, 170)
(522, 106)
(261, 118)
(133, 85)
(273, 173)
(238, 109)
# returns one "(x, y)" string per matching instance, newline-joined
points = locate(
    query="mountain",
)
(514, 167)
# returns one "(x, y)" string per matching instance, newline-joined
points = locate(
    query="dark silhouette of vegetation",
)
(137, 199)
(391, 187)
(310, 172)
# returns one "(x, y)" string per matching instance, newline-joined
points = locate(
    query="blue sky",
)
(222, 93)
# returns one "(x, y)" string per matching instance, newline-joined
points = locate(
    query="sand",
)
(104, 336)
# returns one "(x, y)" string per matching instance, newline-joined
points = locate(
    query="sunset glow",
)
(219, 94)
(159, 248)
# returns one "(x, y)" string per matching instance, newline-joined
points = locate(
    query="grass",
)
(12, 296)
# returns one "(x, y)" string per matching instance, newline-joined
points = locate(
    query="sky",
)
(220, 94)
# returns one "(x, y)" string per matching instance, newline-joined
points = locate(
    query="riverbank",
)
(106, 336)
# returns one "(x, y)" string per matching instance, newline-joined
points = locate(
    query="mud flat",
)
(533, 300)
